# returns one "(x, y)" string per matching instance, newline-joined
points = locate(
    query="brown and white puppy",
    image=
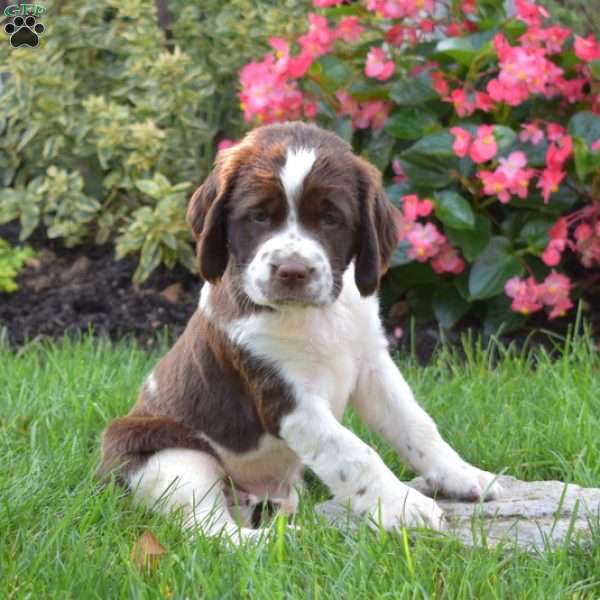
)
(293, 234)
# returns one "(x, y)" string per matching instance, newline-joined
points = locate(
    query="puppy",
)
(293, 235)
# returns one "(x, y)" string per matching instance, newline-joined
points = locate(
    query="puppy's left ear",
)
(377, 233)
(207, 216)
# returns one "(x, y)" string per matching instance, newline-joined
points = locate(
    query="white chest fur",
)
(318, 351)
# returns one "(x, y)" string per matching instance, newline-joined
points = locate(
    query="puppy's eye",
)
(330, 220)
(260, 217)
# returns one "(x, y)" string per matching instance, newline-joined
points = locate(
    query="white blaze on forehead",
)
(298, 163)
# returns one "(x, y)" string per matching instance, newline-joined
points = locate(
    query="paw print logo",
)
(24, 31)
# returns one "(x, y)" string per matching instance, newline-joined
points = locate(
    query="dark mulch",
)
(76, 290)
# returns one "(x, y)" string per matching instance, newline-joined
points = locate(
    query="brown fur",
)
(205, 385)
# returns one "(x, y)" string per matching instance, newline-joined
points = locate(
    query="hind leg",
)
(191, 481)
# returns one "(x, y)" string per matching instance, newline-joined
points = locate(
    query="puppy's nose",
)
(291, 272)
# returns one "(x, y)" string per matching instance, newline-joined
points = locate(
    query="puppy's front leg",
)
(385, 402)
(353, 471)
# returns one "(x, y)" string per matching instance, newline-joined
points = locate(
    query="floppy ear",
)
(377, 232)
(207, 216)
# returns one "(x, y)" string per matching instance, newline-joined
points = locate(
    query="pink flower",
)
(559, 152)
(588, 243)
(349, 29)
(224, 144)
(550, 181)
(554, 292)
(464, 105)
(484, 147)
(555, 131)
(267, 95)
(530, 12)
(558, 242)
(413, 208)
(484, 101)
(326, 3)
(462, 141)
(531, 132)
(447, 260)
(440, 85)
(525, 295)
(286, 65)
(587, 49)
(399, 9)
(377, 65)
(495, 184)
(373, 113)
(596, 145)
(319, 38)
(425, 241)
(469, 6)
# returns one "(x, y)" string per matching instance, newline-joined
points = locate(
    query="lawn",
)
(63, 536)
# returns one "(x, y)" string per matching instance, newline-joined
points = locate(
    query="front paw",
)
(409, 508)
(460, 480)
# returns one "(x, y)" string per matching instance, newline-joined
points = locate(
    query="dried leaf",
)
(172, 292)
(147, 551)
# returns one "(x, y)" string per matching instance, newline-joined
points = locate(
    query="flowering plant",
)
(487, 129)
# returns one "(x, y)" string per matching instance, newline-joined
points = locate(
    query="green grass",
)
(63, 536)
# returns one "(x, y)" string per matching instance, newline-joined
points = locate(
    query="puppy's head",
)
(286, 210)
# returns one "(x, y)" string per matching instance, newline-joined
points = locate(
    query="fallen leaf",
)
(147, 551)
(172, 292)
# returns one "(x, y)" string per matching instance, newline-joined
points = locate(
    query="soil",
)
(66, 291)
(76, 290)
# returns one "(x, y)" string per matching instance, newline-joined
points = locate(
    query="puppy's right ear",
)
(207, 216)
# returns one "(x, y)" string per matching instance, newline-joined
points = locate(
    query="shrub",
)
(12, 260)
(486, 128)
(111, 105)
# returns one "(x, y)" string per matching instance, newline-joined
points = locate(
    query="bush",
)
(111, 111)
(12, 260)
(486, 128)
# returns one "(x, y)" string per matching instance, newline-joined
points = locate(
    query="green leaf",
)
(400, 256)
(414, 91)
(454, 210)
(534, 233)
(492, 269)
(448, 306)
(148, 187)
(343, 127)
(363, 91)
(586, 161)
(379, 150)
(499, 317)
(585, 125)
(410, 123)
(431, 162)
(459, 49)
(335, 73)
(595, 69)
(471, 242)
(505, 137)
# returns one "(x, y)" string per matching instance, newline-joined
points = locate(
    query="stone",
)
(532, 514)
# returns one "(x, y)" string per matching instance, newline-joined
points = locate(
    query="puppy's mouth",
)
(286, 299)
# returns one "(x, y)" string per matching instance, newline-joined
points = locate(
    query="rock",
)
(531, 513)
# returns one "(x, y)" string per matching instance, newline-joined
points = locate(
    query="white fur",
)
(151, 384)
(289, 243)
(190, 481)
(329, 355)
(298, 163)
